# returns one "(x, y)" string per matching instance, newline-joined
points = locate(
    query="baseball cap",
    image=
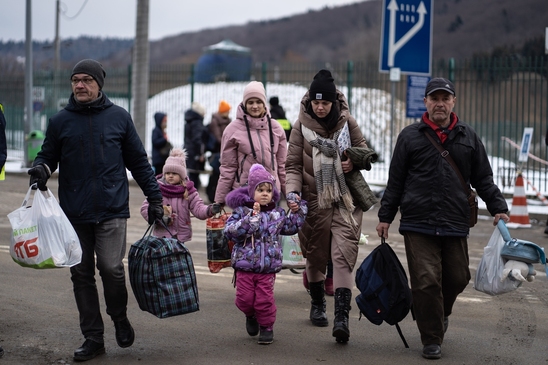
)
(439, 83)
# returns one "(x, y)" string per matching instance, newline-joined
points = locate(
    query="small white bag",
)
(292, 253)
(489, 273)
(43, 237)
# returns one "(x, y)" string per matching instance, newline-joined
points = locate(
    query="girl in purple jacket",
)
(180, 198)
(254, 227)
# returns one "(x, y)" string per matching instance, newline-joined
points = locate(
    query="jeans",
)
(107, 242)
(438, 271)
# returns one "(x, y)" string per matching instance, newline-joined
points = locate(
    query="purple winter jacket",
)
(256, 238)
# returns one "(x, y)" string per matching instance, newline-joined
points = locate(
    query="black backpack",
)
(385, 293)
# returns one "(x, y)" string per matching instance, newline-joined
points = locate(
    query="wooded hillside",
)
(462, 28)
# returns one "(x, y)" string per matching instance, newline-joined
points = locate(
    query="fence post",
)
(129, 88)
(191, 83)
(349, 82)
(452, 69)
(263, 74)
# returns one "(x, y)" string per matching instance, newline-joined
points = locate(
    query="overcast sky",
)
(116, 18)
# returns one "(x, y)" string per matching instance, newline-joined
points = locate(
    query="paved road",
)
(39, 320)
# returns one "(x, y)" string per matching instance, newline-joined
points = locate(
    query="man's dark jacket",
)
(427, 189)
(93, 145)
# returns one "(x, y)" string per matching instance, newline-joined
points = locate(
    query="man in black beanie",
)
(93, 142)
(91, 68)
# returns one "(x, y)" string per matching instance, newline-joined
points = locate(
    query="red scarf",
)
(442, 133)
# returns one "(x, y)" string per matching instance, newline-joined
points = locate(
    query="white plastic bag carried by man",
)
(43, 237)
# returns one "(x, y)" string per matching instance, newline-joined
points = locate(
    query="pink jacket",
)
(237, 156)
(181, 207)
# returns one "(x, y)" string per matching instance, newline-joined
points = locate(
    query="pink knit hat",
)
(255, 89)
(258, 175)
(176, 162)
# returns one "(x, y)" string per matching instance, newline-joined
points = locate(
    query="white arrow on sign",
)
(394, 46)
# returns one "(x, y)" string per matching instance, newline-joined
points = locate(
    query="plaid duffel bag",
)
(162, 277)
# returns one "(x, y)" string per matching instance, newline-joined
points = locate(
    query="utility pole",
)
(140, 69)
(57, 56)
(29, 112)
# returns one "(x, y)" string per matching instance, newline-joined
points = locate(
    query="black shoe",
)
(1, 352)
(445, 324)
(431, 351)
(266, 337)
(252, 326)
(89, 350)
(124, 333)
(546, 229)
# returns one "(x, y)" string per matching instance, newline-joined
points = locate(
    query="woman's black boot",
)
(317, 310)
(343, 296)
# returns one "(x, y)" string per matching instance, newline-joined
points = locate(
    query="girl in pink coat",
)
(180, 198)
(253, 137)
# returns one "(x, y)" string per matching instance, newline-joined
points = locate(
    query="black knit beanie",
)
(323, 87)
(92, 68)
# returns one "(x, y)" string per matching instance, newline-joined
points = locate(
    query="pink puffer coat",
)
(237, 155)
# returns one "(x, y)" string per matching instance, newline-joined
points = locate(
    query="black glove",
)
(214, 208)
(39, 175)
(155, 211)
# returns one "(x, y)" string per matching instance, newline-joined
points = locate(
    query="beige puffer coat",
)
(323, 227)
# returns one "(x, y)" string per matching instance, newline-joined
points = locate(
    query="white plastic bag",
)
(489, 273)
(292, 253)
(42, 236)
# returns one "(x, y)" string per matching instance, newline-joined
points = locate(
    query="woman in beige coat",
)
(315, 168)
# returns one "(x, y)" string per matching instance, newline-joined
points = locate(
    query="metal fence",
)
(498, 97)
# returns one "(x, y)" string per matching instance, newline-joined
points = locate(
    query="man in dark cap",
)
(434, 207)
(93, 141)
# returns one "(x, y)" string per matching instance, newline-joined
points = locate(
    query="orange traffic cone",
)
(519, 216)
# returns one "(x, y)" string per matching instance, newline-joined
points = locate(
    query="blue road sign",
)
(416, 85)
(406, 38)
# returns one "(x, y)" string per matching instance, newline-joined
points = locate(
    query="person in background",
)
(277, 112)
(251, 138)
(194, 145)
(3, 142)
(435, 214)
(315, 169)
(254, 227)
(546, 141)
(93, 142)
(3, 157)
(160, 144)
(180, 198)
(216, 127)
(328, 283)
